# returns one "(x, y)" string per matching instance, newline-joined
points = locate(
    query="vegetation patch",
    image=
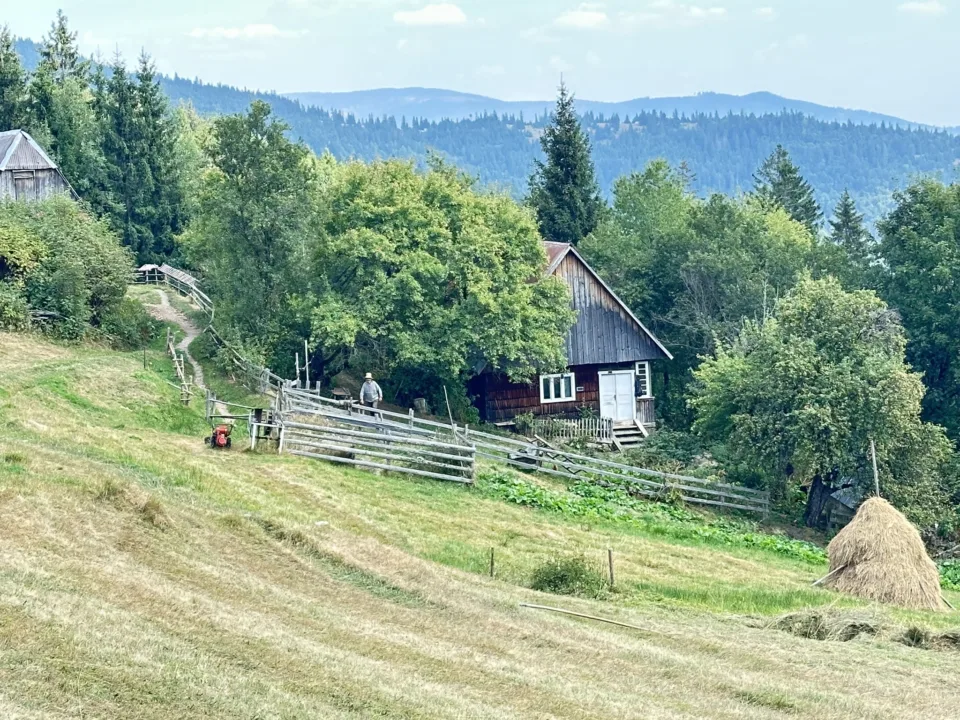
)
(768, 699)
(573, 575)
(588, 501)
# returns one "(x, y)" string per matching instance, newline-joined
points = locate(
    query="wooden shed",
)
(26, 172)
(609, 351)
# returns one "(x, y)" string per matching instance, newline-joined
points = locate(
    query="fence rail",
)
(595, 429)
(526, 455)
(335, 438)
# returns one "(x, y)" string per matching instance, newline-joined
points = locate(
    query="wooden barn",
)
(609, 353)
(26, 171)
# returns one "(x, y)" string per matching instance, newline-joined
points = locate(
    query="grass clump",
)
(767, 699)
(14, 458)
(573, 575)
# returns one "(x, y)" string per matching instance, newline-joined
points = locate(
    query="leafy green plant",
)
(523, 423)
(950, 575)
(570, 576)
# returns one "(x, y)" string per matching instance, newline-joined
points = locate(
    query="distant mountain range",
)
(433, 104)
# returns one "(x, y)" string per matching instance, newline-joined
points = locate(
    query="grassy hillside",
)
(142, 575)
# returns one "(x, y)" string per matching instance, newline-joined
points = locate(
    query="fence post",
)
(491, 562)
(610, 561)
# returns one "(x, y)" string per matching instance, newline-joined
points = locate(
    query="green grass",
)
(144, 575)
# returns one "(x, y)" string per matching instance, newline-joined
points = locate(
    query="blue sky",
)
(895, 56)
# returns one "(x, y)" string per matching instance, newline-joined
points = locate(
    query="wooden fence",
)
(529, 456)
(366, 441)
(594, 429)
(179, 366)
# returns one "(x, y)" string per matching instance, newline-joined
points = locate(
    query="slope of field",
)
(142, 575)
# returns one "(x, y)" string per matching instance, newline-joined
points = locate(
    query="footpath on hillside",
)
(165, 312)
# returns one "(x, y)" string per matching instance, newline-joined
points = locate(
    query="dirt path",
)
(166, 312)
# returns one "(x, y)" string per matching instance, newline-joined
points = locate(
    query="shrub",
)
(128, 326)
(68, 263)
(570, 576)
(523, 423)
(14, 312)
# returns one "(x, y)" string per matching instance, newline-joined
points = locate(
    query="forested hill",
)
(721, 150)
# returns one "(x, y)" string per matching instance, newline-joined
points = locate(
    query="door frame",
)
(633, 399)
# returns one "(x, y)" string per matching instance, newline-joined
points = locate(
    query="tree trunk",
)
(817, 498)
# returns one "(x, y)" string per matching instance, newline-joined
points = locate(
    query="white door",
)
(616, 396)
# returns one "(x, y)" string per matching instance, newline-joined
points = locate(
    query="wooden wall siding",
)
(499, 400)
(604, 332)
(47, 183)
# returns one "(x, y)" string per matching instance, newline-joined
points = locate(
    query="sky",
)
(899, 57)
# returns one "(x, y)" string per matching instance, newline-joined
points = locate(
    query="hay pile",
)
(880, 556)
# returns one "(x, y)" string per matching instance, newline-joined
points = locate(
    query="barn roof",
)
(557, 252)
(19, 151)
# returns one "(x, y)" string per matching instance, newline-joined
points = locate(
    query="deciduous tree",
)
(800, 396)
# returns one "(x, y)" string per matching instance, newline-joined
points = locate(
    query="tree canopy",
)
(779, 183)
(800, 396)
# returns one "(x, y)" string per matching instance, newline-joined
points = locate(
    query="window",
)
(558, 388)
(644, 380)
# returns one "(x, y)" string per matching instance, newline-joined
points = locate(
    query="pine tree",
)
(778, 183)
(60, 55)
(13, 84)
(564, 190)
(129, 182)
(156, 147)
(849, 234)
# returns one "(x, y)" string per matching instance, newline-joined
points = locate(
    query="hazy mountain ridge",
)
(439, 104)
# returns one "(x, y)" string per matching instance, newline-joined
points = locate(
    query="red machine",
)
(220, 438)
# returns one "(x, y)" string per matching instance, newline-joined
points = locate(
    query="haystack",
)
(880, 556)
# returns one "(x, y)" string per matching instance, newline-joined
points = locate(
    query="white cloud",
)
(594, 60)
(558, 64)
(928, 7)
(766, 12)
(587, 16)
(247, 32)
(432, 15)
(665, 14)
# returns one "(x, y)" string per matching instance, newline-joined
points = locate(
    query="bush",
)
(68, 263)
(14, 312)
(570, 576)
(128, 326)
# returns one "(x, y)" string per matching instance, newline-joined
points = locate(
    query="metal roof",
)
(19, 151)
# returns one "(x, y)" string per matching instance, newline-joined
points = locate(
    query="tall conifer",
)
(13, 84)
(778, 182)
(564, 190)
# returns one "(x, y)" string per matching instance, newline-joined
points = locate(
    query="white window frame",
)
(550, 400)
(646, 373)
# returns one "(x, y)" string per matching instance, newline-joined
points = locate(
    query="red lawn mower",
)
(220, 439)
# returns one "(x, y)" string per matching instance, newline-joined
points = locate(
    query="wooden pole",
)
(306, 363)
(876, 475)
(828, 576)
(491, 562)
(297, 364)
(581, 615)
(610, 561)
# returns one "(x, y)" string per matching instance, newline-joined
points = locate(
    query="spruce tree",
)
(778, 183)
(155, 134)
(850, 235)
(60, 55)
(13, 84)
(564, 190)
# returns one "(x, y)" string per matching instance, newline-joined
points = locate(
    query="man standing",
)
(370, 394)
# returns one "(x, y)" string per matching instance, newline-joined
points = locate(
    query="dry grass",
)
(242, 606)
(880, 556)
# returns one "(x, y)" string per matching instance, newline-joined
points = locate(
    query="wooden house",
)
(26, 171)
(609, 352)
